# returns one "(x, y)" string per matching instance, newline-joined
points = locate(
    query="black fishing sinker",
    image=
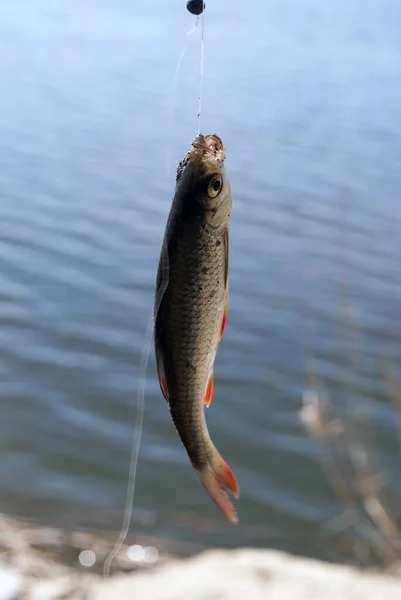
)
(196, 7)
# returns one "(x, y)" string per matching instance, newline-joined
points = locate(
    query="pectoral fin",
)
(209, 389)
(226, 243)
(223, 322)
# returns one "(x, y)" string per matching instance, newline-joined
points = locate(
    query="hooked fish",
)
(191, 307)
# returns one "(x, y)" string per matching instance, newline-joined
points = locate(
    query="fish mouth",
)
(207, 148)
(210, 146)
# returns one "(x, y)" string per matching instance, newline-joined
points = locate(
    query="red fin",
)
(209, 389)
(217, 477)
(161, 375)
(163, 387)
(223, 322)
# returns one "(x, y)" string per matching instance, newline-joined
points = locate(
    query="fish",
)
(191, 304)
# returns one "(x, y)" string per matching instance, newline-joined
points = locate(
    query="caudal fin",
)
(217, 477)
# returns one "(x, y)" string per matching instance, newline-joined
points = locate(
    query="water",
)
(306, 99)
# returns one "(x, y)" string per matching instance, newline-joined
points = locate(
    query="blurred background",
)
(94, 117)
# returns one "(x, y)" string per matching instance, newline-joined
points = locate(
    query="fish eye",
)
(215, 186)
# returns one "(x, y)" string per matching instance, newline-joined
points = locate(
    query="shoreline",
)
(46, 563)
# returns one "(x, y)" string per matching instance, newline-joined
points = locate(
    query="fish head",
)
(202, 186)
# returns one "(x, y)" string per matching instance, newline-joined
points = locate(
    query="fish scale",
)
(192, 322)
(191, 315)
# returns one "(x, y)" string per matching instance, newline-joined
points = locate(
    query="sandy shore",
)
(47, 564)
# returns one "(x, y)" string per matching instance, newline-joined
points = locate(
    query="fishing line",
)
(201, 72)
(140, 409)
(175, 84)
(174, 93)
(136, 442)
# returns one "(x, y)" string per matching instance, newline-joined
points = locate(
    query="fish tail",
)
(217, 476)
